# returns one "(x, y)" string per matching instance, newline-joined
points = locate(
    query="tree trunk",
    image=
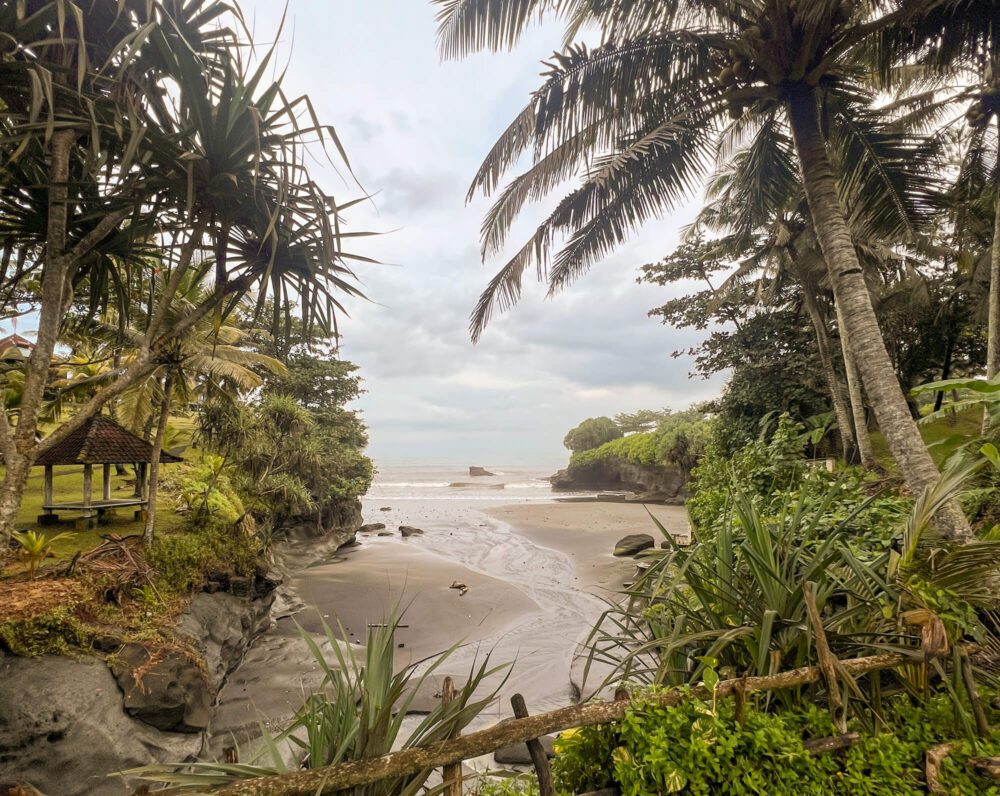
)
(861, 434)
(864, 337)
(837, 395)
(949, 352)
(154, 465)
(993, 321)
(19, 445)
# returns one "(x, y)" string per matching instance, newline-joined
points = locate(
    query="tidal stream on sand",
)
(533, 583)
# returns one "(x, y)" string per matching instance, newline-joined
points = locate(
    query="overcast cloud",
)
(416, 129)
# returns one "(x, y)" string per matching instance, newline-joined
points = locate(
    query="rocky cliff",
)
(67, 723)
(612, 474)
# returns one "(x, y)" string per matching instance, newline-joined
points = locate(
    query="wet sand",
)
(536, 574)
(587, 532)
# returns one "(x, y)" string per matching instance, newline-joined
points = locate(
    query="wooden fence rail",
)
(330, 779)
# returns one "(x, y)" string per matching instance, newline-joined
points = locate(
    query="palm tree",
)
(959, 40)
(641, 116)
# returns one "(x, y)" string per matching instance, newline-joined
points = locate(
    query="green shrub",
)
(592, 433)
(182, 559)
(775, 473)
(678, 441)
(697, 750)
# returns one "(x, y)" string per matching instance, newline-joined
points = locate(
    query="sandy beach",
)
(535, 574)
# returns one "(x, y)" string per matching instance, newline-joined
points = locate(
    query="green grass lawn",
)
(67, 486)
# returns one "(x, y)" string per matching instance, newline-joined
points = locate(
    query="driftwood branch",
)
(827, 661)
(822, 746)
(330, 779)
(932, 766)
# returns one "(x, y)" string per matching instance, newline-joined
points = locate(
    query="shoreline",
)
(535, 572)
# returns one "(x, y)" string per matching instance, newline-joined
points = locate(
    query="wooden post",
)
(451, 773)
(538, 756)
(826, 659)
(741, 705)
(88, 483)
(142, 480)
(47, 499)
(106, 482)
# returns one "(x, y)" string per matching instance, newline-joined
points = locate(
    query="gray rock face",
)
(222, 626)
(656, 484)
(633, 544)
(479, 472)
(338, 517)
(65, 724)
(371, 527)
(409, 530)
(518, 754)
(163, 688)
(63, 729)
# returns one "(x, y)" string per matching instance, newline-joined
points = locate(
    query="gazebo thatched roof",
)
(101, 440)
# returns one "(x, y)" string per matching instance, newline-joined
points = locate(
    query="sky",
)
(415, 129)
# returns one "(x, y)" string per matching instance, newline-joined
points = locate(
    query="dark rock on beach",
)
(518, 754)
(371, 527)
(633, 544)
(409, 530)
(479, 472)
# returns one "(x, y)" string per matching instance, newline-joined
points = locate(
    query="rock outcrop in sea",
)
(649, 484)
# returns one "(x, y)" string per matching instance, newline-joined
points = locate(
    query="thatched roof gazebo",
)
(102, 441)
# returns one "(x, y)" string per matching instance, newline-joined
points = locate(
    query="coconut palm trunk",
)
(837, 394)
(857, 400)
(993, 322)
(864, 337)
(154, 465)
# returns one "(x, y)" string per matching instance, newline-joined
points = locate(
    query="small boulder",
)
(479, 472)
(371, 527)
(385, 533)
(386, 508)
(163, 688)
(633, 544)
(409, 530)
(518, 754)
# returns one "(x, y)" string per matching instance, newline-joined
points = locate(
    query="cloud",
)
(416, 129)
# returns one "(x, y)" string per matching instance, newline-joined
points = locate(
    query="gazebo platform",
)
(98, 507)
(101, 441)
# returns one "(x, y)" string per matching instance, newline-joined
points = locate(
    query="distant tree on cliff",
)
(643, 420)
(592, 433)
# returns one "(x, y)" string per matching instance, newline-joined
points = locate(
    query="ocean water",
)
(509, 483)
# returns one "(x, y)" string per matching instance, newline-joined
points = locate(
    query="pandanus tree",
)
(641, 117)
(134, 125)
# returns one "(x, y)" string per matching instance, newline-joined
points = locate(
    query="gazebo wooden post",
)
(47, 495)
(48, 516)
(106, 482)
(88, 483)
